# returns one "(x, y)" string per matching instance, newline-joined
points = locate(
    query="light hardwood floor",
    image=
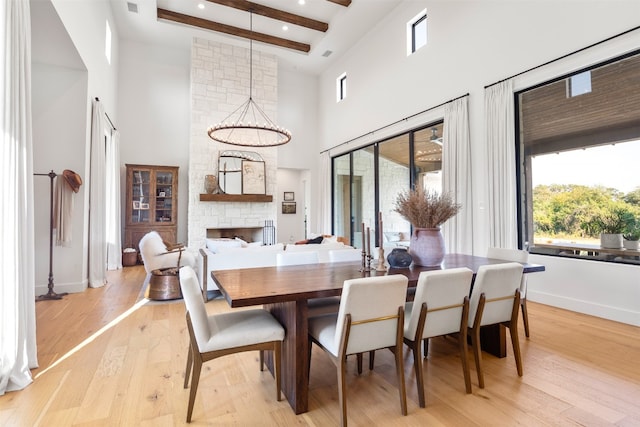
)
(105, 361)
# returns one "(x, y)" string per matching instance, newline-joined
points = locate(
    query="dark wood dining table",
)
(285, 290)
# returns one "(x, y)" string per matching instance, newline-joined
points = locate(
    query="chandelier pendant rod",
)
(250, 53)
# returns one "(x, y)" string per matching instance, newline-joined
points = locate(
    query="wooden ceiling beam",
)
(344, 3)
(228, 29)
(272, 13)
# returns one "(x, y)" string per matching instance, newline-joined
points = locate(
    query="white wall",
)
(154, 114)
(473, 44)
(58, 104)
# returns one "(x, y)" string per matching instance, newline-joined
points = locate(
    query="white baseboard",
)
(586, 307)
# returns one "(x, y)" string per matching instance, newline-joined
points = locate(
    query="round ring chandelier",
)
(249, 125)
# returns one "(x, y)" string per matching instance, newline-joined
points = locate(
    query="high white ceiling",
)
(346, 26)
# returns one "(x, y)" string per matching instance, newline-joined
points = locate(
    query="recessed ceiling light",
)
(200, 5)
(301, 1)
(285, 28)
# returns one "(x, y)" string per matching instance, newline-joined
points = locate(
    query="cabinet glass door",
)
(140, 196)
(164, 188)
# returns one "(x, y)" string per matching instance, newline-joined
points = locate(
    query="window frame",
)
(341, 87)
(412, 27)
(524, 186)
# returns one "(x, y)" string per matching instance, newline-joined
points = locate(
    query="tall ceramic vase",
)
(427, 247)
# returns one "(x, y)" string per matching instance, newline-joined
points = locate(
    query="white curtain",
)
(501, 161)
(97, 228)
(325, 193)
(112, 217)
(17, 269)
(456, 175)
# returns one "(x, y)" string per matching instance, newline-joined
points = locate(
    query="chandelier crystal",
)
(249, 125)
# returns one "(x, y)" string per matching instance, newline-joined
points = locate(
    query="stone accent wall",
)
(220, 84)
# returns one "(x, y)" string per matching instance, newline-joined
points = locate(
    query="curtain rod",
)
(566, 55)
(395, 123)
(108, 118)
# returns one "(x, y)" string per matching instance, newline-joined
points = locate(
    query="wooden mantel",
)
(236, 198)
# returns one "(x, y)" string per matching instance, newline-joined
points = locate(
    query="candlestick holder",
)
(381, 266)
(366, 262)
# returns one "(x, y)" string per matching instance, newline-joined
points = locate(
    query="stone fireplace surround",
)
(219, 84)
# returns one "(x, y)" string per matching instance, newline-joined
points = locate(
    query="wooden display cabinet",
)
(152, 203)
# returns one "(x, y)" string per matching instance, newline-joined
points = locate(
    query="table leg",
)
(295, 376)
(494, 340)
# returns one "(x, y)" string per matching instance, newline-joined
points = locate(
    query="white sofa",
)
(226, 254)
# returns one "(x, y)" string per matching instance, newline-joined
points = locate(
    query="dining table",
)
(285, 290)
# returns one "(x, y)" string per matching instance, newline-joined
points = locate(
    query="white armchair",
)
(155, 254)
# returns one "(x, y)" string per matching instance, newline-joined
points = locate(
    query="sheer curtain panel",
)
(501, 159)
(325, 193)
(17, 282)
(97, 227)
(113, 228)
(456, 175)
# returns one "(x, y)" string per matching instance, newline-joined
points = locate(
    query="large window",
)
(367, 181)
(579, 144)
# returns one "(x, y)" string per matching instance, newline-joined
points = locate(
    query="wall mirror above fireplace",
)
(230, 169)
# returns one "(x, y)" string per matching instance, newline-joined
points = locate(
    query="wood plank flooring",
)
(105, 361)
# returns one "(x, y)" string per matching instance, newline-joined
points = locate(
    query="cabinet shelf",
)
(152, 198)
(236, 198)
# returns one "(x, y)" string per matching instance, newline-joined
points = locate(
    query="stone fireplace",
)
(265, 234)
(219, 84)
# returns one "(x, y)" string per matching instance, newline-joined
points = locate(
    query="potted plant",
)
(631, 237)
(610, 225)
(426, 211)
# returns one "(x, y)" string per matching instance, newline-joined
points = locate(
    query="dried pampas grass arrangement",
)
(425, 208)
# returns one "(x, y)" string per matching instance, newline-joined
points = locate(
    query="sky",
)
(616, 166)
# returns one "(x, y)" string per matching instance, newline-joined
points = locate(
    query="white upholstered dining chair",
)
(370, 317)
(516, 255)
(440, 307)
(495, 299)
(213, 336)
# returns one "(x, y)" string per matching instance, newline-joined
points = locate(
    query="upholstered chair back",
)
(366, 299)
(495, 281)
(443, 291)
(195, 305)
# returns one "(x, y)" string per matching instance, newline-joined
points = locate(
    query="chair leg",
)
(187, 371)
(475, 343)
(525, 316)
(400, 371)
(425, 344)
(372, 356)
(261, 360)
(342, 390)
(462, 338)
(277, 356)
(513, 330)
(359, 362)
(417, 364)
(195, 379)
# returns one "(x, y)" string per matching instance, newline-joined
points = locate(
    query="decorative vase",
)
(399, 258)
(427, 247)
(611, 241)
(210, 184)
